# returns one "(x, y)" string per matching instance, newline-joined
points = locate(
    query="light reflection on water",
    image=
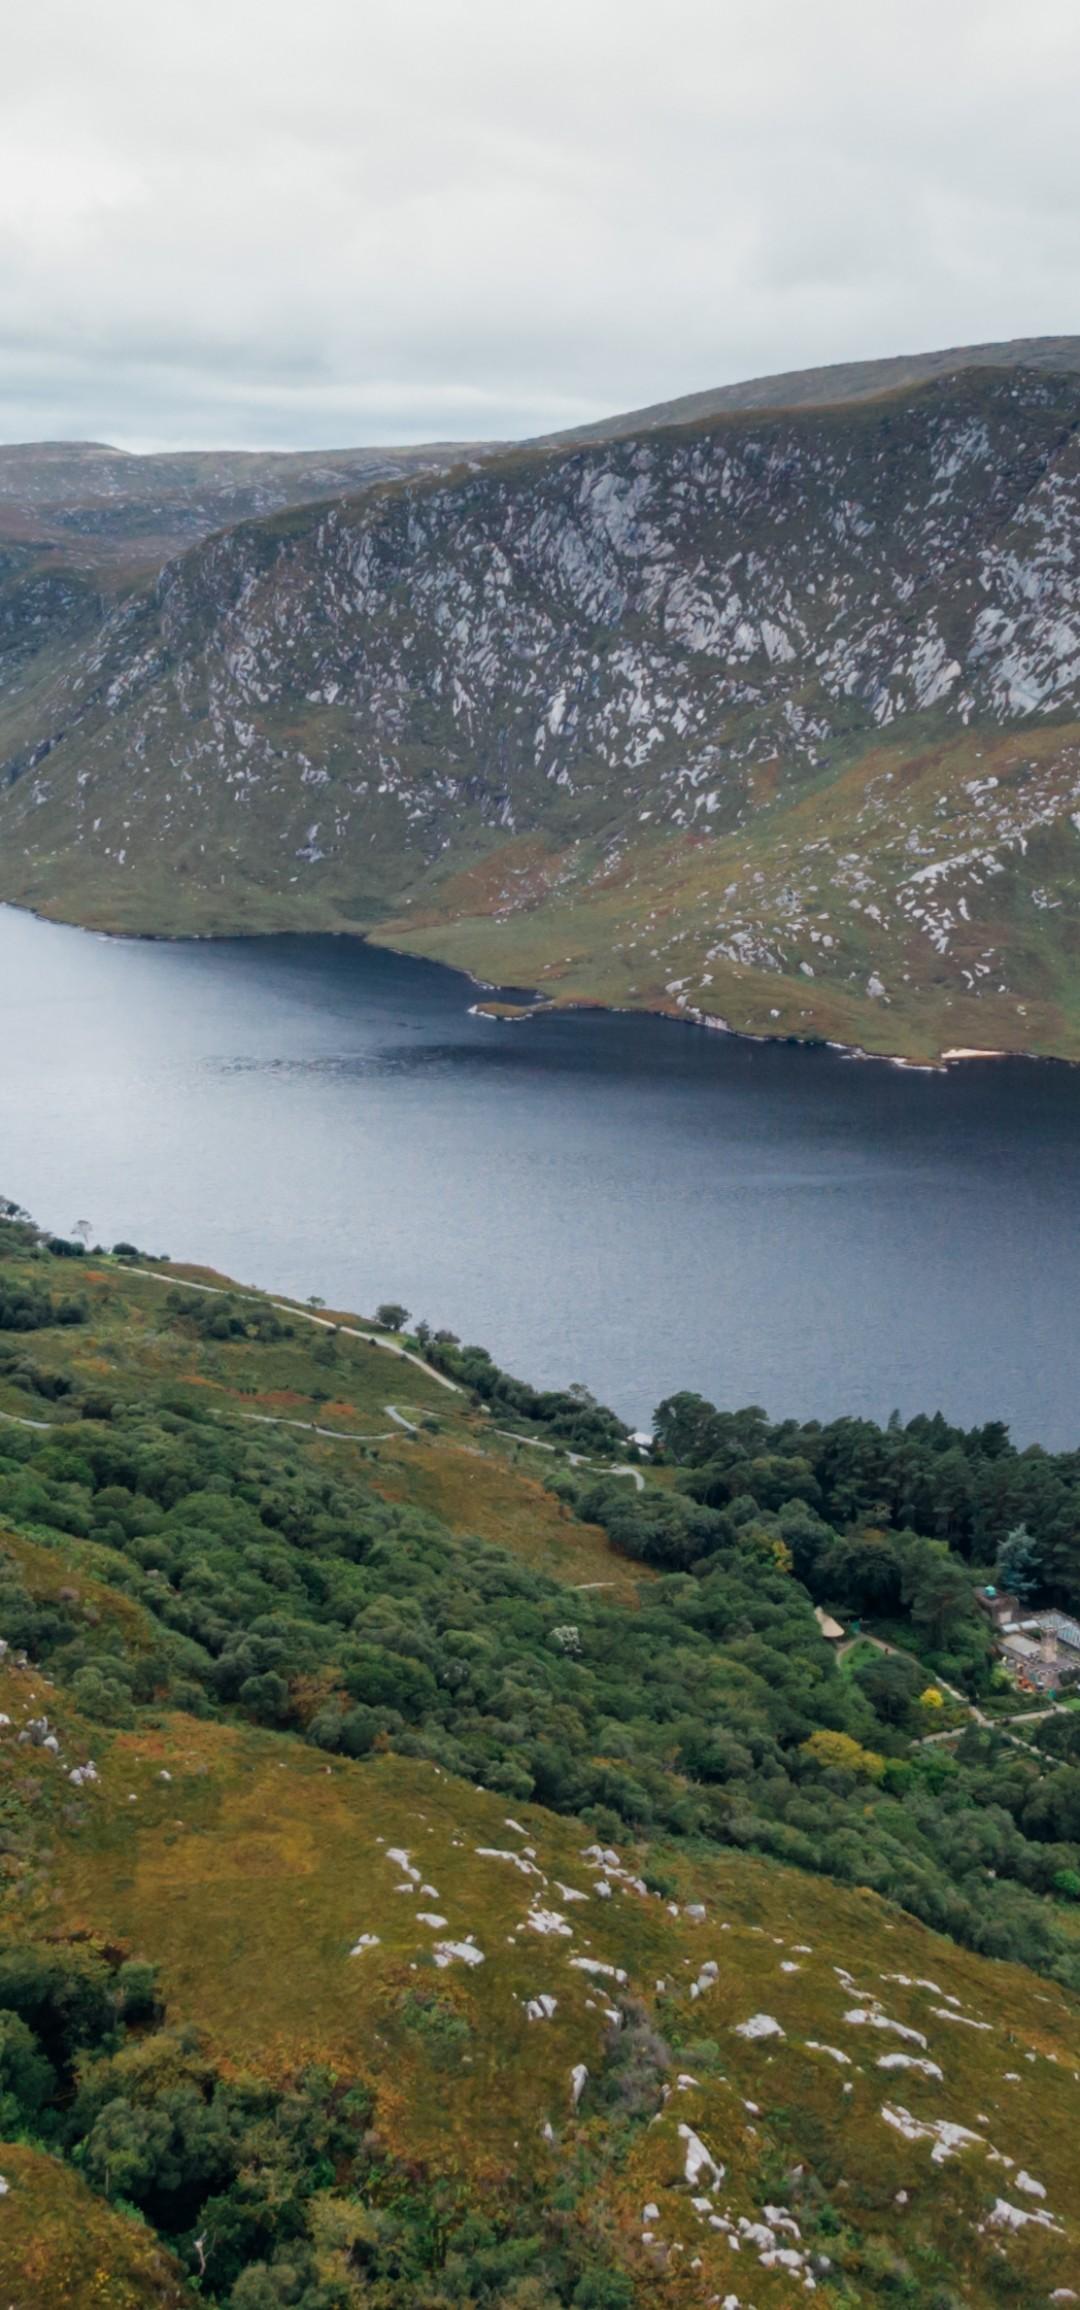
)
(595, 1197)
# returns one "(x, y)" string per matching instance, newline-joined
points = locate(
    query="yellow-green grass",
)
(249, 1875)
(548, 920)
(560, 912)
(78, 1571)
(457, 1466)
(502, 1501)
(62, 2248)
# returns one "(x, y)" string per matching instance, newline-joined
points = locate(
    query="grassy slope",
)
(477, 1480)
(62, 2248)
(248, 1875)
(622, 936)
(248, 1872)
(582, 931)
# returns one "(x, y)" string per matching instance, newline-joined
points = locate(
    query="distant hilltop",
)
(760, 707)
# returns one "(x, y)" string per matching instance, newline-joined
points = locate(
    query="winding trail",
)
(337, 1435)
(977, 1715)
(576, 1459)
(44, 1427)
(287, 1307)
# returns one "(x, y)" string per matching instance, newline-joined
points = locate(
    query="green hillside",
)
(446, 1863)
(766, 718)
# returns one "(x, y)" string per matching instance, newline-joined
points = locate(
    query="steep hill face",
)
(769, 719)
(112, 507)
(397, 1906)
(82, 523)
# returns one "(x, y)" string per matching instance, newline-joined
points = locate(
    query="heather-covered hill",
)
(770, 718)
(446, 1863)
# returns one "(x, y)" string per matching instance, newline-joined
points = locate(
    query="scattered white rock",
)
(579, 2078)
(595, 1965)
(1025, 2181)
(466, 1953)
(781, 2219)
(946, 2137)
(868, 2017)
(430, 1917)
(833, 2051)
(548, 1921)
(909, 2061)
(398, 1854)
(699, 2161)
(1007, 2217)
(366, 1941)
(517, 1860)
(540, 2008)
(759, 2025)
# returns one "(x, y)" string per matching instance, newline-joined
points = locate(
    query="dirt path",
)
(42, 1425)
(977, 1715)
(576, 1459)
(307, 1315)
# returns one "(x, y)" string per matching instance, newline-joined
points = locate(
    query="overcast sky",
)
(308, 222)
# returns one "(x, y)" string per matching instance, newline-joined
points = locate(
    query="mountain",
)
(81, 523)
(114, 508)
(769, 717)
(440, 1872)
(837, 382)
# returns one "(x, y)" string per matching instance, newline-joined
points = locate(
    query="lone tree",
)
(391, 1315)
(1017, 1565)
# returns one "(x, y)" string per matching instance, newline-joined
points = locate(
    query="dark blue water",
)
(610, 1199)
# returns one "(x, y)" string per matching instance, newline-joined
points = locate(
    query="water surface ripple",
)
(604, 1198)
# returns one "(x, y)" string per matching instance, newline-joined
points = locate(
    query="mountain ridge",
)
(505, 714)
(834, 383)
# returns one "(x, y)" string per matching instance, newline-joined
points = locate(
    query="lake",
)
(619, 1200)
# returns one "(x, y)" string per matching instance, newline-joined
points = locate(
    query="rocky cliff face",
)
(695, 718)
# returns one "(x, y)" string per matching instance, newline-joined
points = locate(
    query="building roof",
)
(1067, 1631)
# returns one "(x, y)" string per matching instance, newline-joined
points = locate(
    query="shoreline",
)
(507, 1014)
(504, 1010)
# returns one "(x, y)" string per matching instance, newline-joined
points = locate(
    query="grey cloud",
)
(379, 219)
